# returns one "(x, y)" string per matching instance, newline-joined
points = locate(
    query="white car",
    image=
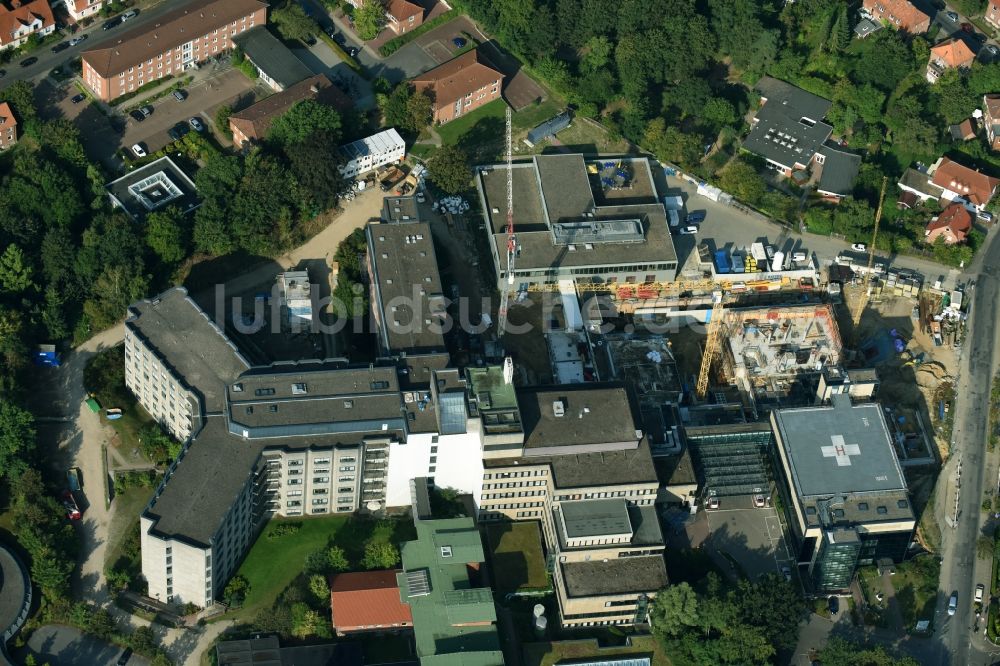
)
(953, 604)
(758, 501)
(713, 503)
(689, 230)
(979, 593)
(859, 247)
(139, 150)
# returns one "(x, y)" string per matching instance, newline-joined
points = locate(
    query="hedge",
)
(397, 43)
(342, 54)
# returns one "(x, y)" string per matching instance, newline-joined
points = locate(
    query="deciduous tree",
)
(369, 19)
(448, 168)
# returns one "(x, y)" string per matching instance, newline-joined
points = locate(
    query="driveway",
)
(751, 536)
(228, 86)
(65, 646)
(321, 59)
(98, 133)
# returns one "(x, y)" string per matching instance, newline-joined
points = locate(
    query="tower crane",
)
(712, 342)
(862, 301)
(511, 238)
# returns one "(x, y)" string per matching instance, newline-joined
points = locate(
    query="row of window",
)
(512, 484)
(522, 493)
(511, 475)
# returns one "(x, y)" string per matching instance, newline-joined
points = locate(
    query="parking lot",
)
(230, 86)
(751, 536)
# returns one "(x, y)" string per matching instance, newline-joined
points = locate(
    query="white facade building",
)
(453, 461)
(372, 152)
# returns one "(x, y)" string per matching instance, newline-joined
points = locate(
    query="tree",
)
(17, 439)
(741, 179)
(292, 22)
(315, 165)
(236, 590)
(674, 611)
(380, 555)
(985, 546)
(337, 559)
(840, 32)
(15, 271)
(596, 53)
(969, 7)
(304, 120)
(222, 115)
(320, 588)
(672, 145)
(369, 19)
(419, 110)
(304, 620)
(840, 652)
(142, 640)
(165, 234)
(448, 168)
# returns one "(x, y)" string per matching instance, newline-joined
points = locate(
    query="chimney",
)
(314, 88)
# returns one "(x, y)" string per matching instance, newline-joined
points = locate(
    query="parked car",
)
(77, 98)
(786, 572)
(72, 508)
(691, 229)
(310, 40)
(126, 655)
(985, 216)
(196, 123)
(352, 51)
(713, 502)
(178, 130)
(146, 111)
(331, 32)
(696, 217)
(339, 38)
(113, 23)
(137, 115)
(139, 149)
(953, 603)
(28, 62)
(420, 197)
(992, 50)
(78, 40)
(833, 604)
(758, 501)
(180, 95)
(130, 14)
(859, 247)
(459, 42)
(951, 16)
(61, 46)
(967, 27)
(980, 589)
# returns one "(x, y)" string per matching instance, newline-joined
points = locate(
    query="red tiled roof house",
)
(179, 40)
(991, 119)
(949, 54)
(962, 184)
(8, 126)
(460, 85)
(900, 14)
(79, 9)
(19, 20)
(402, 15)
(992, 13)
(952, 225)
(367, 601)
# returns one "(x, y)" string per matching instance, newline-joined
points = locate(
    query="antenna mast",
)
(511, 238)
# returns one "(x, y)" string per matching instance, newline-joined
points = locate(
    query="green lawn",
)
(496, 110)
(516, 557)
(127, 507)
(547, 654)
(916, 584)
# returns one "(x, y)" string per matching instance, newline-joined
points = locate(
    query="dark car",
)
(310, 40)
(173, 133)
(137, 115)
(696, 217)
(77, 98)
(126, 655)
(61, 46)
(331, 32)
(180, 95)
(833, 603)
(179, 130)
(353, 52)
(339, 38)
(28, 62)
(113, 23)
(459, 42)
(78, 40)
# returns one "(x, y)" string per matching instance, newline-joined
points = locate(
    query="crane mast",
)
(511, 238)
(863, 297)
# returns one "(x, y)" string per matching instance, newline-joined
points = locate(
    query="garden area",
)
(516, 558)
(916, 586)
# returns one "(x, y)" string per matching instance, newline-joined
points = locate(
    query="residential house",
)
(917, 188)
(275, 63)
(866, 26)
(460, 85)
(367, 601)
(8, 126)
(900, 14)
(991, 119)
(372, 152)
(960, 183)
(992, 13)
(963, 131)
(837, 171)
(952, 225)
(178, 41)
(952, 53)
(252, 123)
(19, 20)
(402, 15)
(788, 129)
(79, 9)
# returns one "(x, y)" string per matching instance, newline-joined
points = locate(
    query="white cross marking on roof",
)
(841, 451)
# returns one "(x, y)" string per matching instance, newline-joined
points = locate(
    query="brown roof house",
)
(949, 54)
(400, 15)
(952, 225)
(8, 126)
(176, 42)
(991, 119)
(19, 20)
(79, 9)
(963, 131)
(252, 123)
(992, 13)
(962, 184)
(368, 601)
(460, 85)
(900, 14)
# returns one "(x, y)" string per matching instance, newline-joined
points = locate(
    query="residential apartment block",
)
(19, 20)
(900, 14)
(8, 126)
(373, 152)
(596, 220)
(181, 39)
(460, 85)
(79, 9)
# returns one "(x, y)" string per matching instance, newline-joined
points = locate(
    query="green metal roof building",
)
(454, 620)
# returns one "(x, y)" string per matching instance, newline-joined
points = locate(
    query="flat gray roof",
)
(592, 518)
(583, 470)
(789, 128)
(624, 575)
(272, 57)
(587, 416)
(840, 449)
(840, 169)
(154, 186)
(407, 286)
(189, 342)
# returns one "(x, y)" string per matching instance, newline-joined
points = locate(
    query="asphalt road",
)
(958, 569)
